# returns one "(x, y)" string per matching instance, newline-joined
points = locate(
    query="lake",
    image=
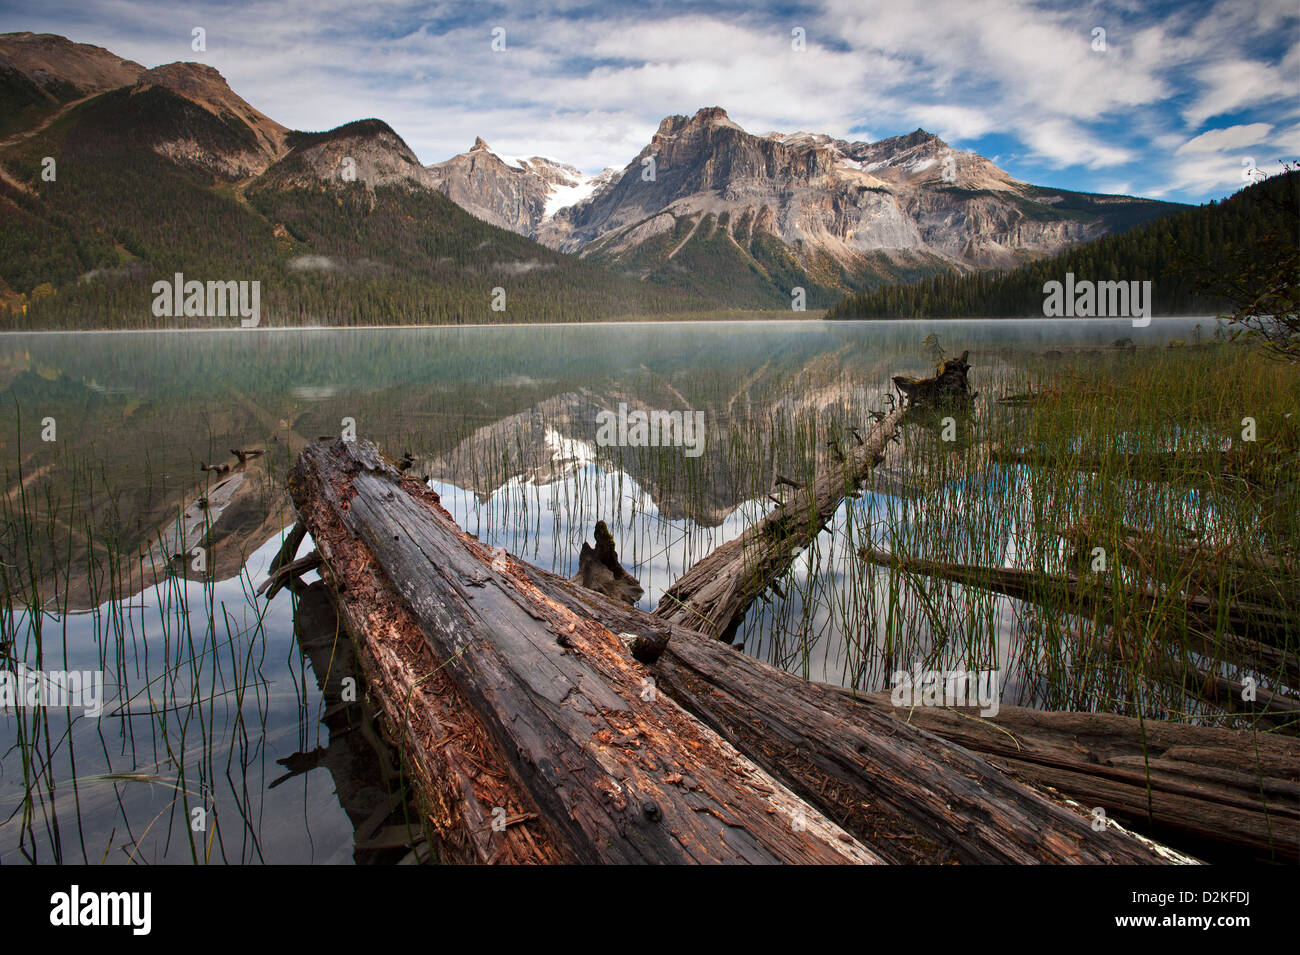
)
(226, 734)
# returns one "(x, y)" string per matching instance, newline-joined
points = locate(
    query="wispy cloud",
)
(1165, 105)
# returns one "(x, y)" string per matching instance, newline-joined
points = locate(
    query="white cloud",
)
(1205, 174)
(1231, 137)
(588, 84)
(1236, 83)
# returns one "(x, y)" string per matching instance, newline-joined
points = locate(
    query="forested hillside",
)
(1174, 253)
(84, 249)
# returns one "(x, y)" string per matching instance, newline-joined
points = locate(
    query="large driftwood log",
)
(1232, 792)
(450, 757)
(910, 795)
(1206, 572)
(1229, 792)
(714, 594)
(538, 716)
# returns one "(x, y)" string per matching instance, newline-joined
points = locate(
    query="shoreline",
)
(616, 323)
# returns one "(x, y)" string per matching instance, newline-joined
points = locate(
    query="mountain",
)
(168, 170)
(172, 172)
(744, 218)
(1172, 253)
(367, 151)
(263, 140)
(185, 111)
(516, 194)
(41, 72)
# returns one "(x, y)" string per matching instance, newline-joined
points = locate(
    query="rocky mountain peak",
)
(514, 193)
(709, 116)
(55, 61)
(204, 86)
(197, 82)
(918, 143)
(713, 116)
(366, 151)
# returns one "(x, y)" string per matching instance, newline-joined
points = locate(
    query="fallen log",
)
(1206, 571)
(913, 797)
(459, 636)
(1230, 792)
(715, 593)
(513, 707)
(1194, 468)
(1222, 792)
(1086, 598)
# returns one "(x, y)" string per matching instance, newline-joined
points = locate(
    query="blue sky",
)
(1179, 98)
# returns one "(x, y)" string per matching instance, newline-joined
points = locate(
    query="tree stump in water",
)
(599, 569)
(949, 385)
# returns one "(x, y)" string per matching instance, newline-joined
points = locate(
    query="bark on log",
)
(1230, 792)
(550, 702)
(714, 594)
(912, 796)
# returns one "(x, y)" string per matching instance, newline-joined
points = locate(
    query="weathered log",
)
(452, 761)
(1206, 571)
(1251, 810)
(907, 793)
(553, 701)
(1086, 598)
(717, 590)
(1227, 792)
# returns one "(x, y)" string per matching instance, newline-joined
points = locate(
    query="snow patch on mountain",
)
(561, 197)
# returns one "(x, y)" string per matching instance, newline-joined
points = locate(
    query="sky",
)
(1171, 100)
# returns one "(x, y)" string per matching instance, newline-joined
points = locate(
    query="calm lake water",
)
(226, 734)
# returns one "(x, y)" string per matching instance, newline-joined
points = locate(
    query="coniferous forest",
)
(1176, 253)
(83, 250)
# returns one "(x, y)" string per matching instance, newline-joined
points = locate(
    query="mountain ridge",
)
(705, 215)
(809, 210)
